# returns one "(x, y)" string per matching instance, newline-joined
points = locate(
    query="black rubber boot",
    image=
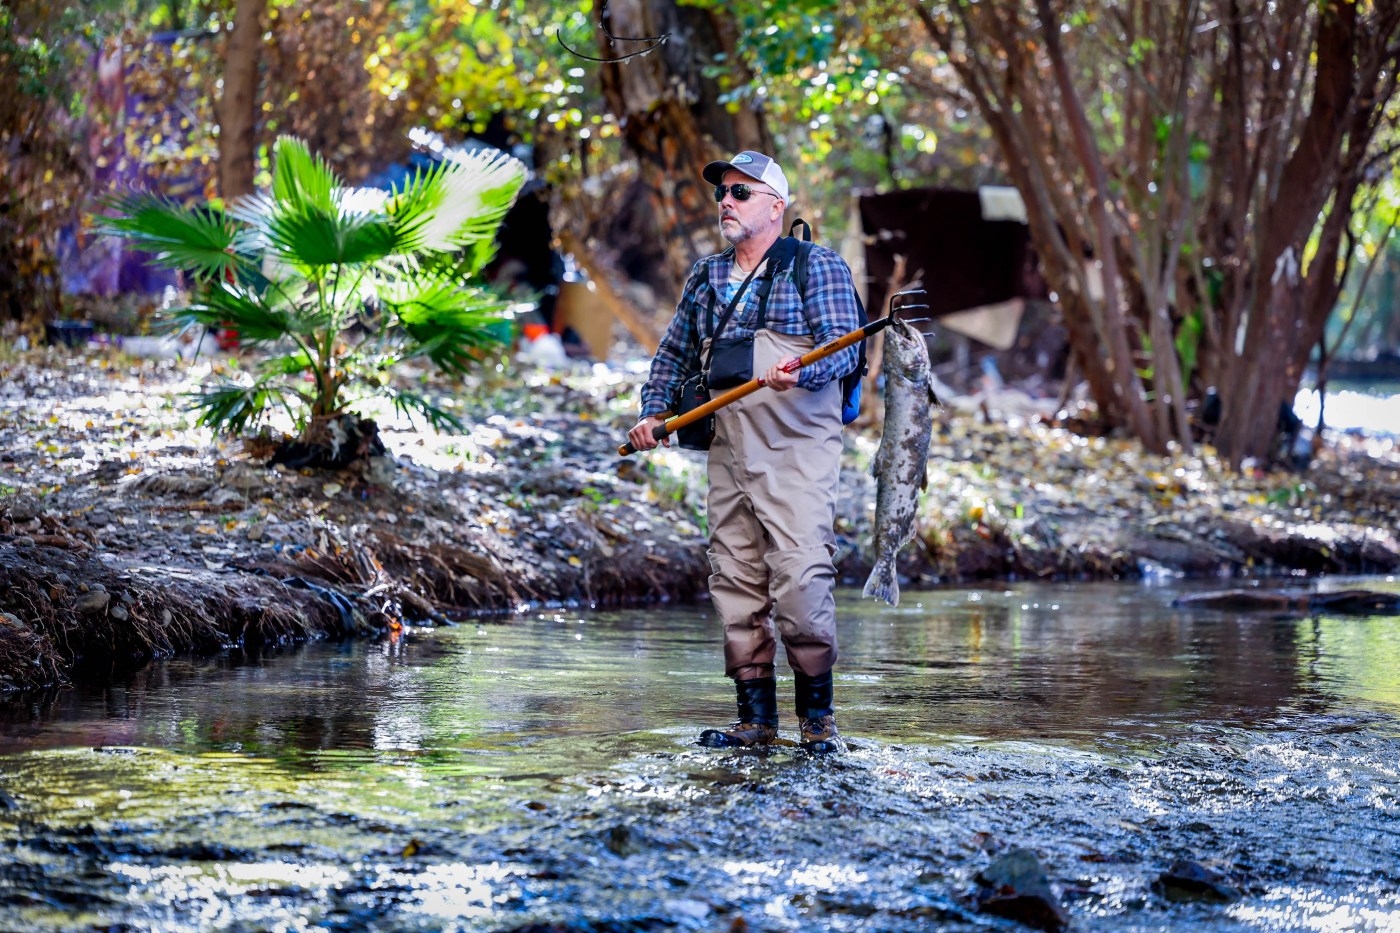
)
(758, 716)
(814, 712)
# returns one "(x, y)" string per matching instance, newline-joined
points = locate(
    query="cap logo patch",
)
(742, 159)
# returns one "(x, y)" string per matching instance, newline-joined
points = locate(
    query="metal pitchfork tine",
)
(908, 305)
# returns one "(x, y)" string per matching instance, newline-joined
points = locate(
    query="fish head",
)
(906, 351)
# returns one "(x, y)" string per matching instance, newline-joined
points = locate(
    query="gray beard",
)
(736, 237)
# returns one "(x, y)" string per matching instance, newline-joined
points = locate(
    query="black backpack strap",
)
(799, 267)
(802, 251)
(799, 278)
(799, 262)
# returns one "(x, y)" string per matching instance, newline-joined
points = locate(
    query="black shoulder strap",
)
(709, 327)
(778, 259)
(765, 282)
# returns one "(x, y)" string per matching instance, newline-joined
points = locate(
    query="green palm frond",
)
(252, 210)
(476, 255)
(421, 299)
(312, 237)
(315, 238)
(493, 202)
(288, 364)
(197, 240)
(226, 305)
(445, 322)
(464, 266)
(456, 203)
(412, 403)
(454, 350)
(300, 180)
(414, 208)
(293, 268)
(235, 409)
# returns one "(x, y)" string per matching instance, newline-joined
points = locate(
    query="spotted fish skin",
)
(902, 461)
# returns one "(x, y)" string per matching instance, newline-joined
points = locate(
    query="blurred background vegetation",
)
(1210, 186)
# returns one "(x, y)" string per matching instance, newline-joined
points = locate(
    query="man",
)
(775, 459)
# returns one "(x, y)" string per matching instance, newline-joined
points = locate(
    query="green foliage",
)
(829, 77)
(197, 241)
(465, 63)
(45, 145)
(1368, 316)
(1188, 344)
(853, 97)
(338, 285)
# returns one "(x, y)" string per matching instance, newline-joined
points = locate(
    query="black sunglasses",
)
(741, 191)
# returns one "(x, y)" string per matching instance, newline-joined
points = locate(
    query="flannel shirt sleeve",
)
(832, 304)
(679, 349)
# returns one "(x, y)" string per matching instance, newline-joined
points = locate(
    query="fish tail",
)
(883, 584)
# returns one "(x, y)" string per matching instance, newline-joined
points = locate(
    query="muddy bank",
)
(1036, 501)
(127, 532)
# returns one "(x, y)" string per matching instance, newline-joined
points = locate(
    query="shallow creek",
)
(539, 772)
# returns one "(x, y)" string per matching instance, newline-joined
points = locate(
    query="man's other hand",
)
(640, 437)
(778, 378)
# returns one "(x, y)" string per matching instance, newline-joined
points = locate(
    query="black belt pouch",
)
(731, 362)
(693, 394)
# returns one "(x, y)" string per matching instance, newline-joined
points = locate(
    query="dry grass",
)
(28, 660)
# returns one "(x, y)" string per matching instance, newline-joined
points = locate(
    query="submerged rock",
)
(622, 841)
(1189, 880)
(1015, 887)
(1358, 602)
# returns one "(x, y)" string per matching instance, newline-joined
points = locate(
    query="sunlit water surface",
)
(1368, 408)
(540, 770)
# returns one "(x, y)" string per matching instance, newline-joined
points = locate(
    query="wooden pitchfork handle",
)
(672, 425)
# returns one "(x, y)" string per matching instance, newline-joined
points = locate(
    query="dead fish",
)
(900, 464)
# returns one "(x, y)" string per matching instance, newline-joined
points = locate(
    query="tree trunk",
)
(1264, 373)
(1225, 140)
(238, 108)
(671, 118)
(1113, 335)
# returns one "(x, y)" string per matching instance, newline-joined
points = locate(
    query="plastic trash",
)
(546, 350)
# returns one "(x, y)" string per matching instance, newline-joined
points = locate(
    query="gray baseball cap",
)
(756, 165)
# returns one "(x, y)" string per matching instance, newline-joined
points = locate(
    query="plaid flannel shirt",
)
(831, 304)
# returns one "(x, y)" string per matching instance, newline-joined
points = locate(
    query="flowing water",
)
(538, 773)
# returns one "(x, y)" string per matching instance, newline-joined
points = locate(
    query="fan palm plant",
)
(338, 284)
